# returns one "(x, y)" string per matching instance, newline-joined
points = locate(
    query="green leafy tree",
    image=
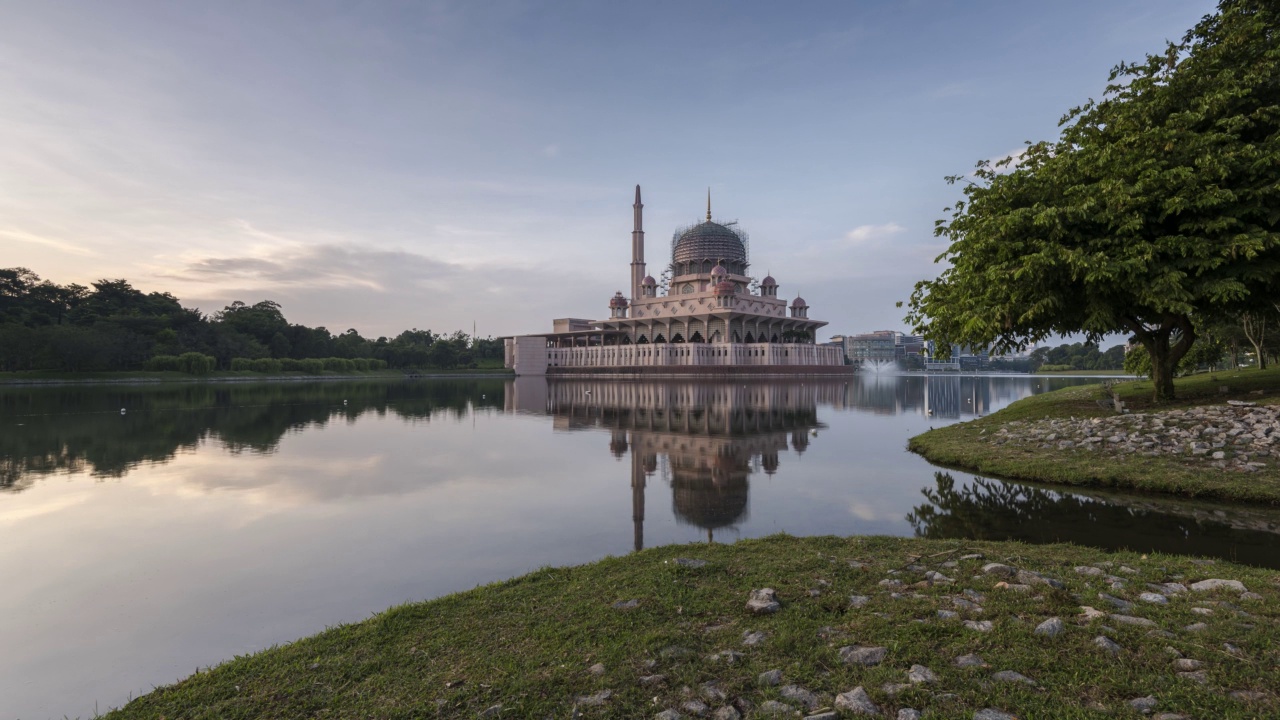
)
(1157, 203)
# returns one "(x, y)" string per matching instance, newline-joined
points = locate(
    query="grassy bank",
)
(541, 644)
(51, 377)
(968, 445)
(1100, 373)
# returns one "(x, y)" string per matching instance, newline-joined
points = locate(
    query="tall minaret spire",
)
(637, 247)
(708, 204)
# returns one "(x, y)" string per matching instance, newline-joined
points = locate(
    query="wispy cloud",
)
(26, 237)
(864, 234)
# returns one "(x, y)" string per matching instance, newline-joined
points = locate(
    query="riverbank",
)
(100, 378)
(1219, 439)
(879, 626)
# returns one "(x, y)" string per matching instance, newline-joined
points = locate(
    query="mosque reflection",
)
(702, 439)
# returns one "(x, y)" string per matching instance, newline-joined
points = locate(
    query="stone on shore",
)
(862, 655)
(764, 601)
(857, 701)
(921, 674)
(1052, 627)
(1219, 584)
(770, 678)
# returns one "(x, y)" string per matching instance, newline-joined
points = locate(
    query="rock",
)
(800, 695)
(999, 569)
(773, 708)
(595, 699)
(1196, 627)
(857, 701)
(764, 601)
(979, 625)
(652, 680)
(921, 674)
(1089, 570)
(948, 615)
(491, 711)
(1050, 628)
(1131, 620)
(1187, 664)
(969, 661)
(1247, 696)
(1156, 598)
(1218, 584)
(1202, 610)
(1014, 587)
(597, 669)
(696, 708)
(1166, 589)
(1117, 602)
(1128, 570)
(1090, 613)
(751, 639)
(770, 678)
(691, 562)
(1028, 577)
(1250, 596)
(1011, 676)
(668, 715)
(993, 714)
(1199, 676)
(1107, 644)
(908, 714)
(729, 656)
(728, 712)
(711, 692)
(975, 596)
(1143, 705)
(1232, 650)
(937, 577)
(626, 604)
(862, 655)
(858, 600)
(1169, 716)
(892, 689)
(828, 715)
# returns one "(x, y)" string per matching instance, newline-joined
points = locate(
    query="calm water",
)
(215, 520)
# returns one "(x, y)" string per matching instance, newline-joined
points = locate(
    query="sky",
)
(393, 165)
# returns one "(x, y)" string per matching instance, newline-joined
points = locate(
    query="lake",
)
(212, 520)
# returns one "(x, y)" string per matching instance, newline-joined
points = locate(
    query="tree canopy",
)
(1158, 206)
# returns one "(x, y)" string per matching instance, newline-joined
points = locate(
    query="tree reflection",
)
(81, 430)
(996, 510)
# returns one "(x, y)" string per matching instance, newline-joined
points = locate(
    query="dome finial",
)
(708, 204)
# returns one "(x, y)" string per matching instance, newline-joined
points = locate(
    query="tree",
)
(1157, 203)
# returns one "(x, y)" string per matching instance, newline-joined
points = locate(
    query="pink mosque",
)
(709, 321)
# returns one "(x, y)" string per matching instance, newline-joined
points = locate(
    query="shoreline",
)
(178, 378)
(1219, 440)
(787, 626)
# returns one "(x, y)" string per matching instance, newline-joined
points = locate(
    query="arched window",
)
(696, 337)
(659, 338)
(677, 338)
(750, 339)
(642, 340)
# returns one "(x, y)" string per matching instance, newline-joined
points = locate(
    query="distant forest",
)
(113, 326)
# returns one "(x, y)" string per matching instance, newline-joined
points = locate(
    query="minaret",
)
(637, 248)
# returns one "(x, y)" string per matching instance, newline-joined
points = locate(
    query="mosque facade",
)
(708, 317)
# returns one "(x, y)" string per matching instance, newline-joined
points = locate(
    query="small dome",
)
(726, 288)
(617, 301)
(648, 280)
(719, 271)
(799, 302)
(768, 281)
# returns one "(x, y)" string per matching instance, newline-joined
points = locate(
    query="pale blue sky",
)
(390, 165)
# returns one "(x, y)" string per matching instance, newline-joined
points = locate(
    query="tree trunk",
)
(1165, 357)
(1255, 329)
(1161, 369)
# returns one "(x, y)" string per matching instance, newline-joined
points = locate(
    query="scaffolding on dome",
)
(731, 225)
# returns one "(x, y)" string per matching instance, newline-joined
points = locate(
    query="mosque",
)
(708, 317)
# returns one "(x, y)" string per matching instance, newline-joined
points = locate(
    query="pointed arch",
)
(642, 340)
(696, 337)
(774, 338)
(677, 338)
(736, 337)
(750, 338)
(626, 340)
(658, 339)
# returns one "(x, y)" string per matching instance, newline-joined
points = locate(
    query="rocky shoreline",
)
(1237, 436)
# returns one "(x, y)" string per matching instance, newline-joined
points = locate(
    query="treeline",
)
(111, 325)
(1077, 356)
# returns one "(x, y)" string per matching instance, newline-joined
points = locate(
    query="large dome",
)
(709, 241)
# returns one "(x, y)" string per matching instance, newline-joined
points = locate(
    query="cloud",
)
(1013, 156)
(26, 237)
(865, 234)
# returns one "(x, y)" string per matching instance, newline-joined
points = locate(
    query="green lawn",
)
(529, 645)
(965, 445)
(26, 377)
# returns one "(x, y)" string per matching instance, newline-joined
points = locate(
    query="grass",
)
(1104, 373)
(59, 376)
(964, 445)
(528, 643)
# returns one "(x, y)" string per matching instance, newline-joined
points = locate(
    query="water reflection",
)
(81, 430)
(703, 440)
(993, 510)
